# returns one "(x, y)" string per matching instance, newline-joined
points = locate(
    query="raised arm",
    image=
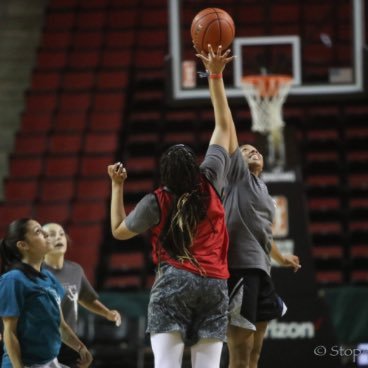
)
(118, 175)
(224, 133)
(95, 306)
(287, 260)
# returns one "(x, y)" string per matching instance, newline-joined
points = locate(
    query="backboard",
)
(320, 44)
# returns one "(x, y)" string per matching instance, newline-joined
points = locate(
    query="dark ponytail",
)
(11, 258)
(180, 173)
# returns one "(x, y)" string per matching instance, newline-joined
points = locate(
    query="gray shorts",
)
(194, 305)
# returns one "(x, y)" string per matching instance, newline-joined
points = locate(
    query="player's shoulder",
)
(12, 275)
(71, 265)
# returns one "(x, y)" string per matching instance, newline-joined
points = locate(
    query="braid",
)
(181, 174)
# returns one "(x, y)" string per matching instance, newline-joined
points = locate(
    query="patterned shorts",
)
(194, 305)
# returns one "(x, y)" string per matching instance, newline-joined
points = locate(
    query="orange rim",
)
(268, 85)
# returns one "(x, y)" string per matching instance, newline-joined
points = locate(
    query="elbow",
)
(118, 235)
(115, 234)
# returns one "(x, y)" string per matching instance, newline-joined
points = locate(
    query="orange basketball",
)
(212, 26)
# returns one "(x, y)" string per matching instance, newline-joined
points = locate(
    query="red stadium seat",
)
(63, 4)
(65, 143)
(150, 59)
(20, 189)
(121, 19)
(93, 189)
(119, 39)
(45, 81)
(91, 20)
(105, 121)
(91, 4)
(56, 40)
(116, 58)
(112, 80)
(95, 166)
(30, 144)
(25, 167)
(359, 276)
(70, 121)
(52, 212)
(329, 277)
(57, 190)
(85, 235)
(41, 102)
(51, 60)
(154, 38)
(88, 212)
(13, 211)
(75, 101)
(139, 164)
(36, 122)
(122, 282)
(101, 143)
(83, 59)
(87, 40)
(126, 260)
(138, 185)
(60, 20)
(61, 167)
(74, 81)
(109, 101)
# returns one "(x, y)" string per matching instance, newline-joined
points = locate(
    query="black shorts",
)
(252, 298)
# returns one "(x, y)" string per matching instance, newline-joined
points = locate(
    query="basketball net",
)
(265, 95)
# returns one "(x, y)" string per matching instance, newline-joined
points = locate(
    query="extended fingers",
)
(119, 167)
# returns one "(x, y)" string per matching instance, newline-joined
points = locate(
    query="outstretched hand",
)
(114, 316)
(117, 173)
(85, 358)
(292, 261)
(215, 62)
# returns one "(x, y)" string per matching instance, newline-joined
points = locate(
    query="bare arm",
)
(118, 175)
(95, 306)
(69, 338)
(288, 260)
(11, 341)
(224, 133)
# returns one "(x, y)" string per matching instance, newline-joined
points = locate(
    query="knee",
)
(255, 355)
(239, 354)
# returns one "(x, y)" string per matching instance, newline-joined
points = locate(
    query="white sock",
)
(206, 353)
(167, 349)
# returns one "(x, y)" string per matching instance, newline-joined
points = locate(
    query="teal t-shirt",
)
(36, 302)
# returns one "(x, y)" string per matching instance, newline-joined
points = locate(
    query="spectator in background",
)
(76, 286)
(30, 299)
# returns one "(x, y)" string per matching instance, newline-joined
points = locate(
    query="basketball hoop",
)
(265, 95)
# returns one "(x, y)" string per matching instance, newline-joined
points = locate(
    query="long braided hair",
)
(180, 173)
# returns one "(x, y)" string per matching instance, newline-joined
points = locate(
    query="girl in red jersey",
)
(189, 299)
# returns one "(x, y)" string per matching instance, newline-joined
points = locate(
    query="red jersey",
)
(211, 240)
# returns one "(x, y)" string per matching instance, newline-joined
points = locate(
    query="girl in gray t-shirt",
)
(249, 215)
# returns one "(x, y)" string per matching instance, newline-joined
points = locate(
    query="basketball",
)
(212, 26)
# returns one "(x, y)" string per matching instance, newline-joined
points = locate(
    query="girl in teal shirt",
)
(30, 302)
